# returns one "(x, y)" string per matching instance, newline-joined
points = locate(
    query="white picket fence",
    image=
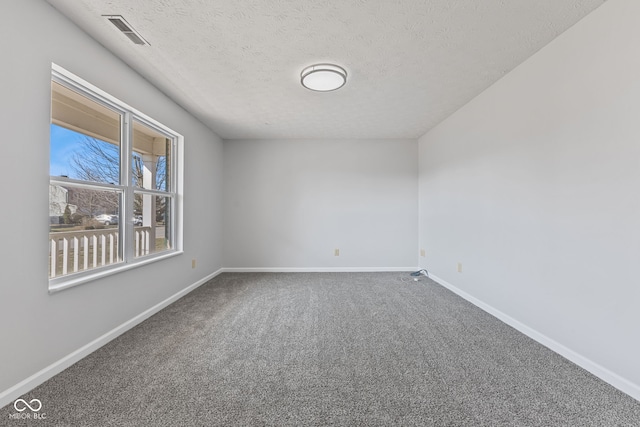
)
(73, 251)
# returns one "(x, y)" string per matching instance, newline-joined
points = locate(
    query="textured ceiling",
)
(235, 64)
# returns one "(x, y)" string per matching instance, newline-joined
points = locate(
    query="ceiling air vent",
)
(126, 29)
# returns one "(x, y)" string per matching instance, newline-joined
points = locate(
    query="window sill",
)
(59, 284)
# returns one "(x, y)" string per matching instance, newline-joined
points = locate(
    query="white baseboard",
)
(315, 269)
(55, 368)
(599, 371)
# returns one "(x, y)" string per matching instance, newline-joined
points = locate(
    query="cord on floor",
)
(415, 276)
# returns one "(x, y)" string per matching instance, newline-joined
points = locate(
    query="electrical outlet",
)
(459, 267)
(423, 253)
(193, 263)
(336, 252)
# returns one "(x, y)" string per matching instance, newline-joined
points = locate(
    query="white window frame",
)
(126, 227)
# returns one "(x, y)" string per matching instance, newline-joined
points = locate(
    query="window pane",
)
(151, 150)
(98, 164)
(84, 138)
(83, 229)
(152, 228)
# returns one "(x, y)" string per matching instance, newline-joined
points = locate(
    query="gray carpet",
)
(307, 349)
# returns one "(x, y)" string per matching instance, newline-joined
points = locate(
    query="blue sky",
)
(63, 143)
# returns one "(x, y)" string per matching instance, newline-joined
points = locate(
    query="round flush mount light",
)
(323, 77)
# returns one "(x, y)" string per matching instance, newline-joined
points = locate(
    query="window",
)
(113, 199)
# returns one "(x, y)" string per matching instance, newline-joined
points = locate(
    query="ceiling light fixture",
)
(323, 77)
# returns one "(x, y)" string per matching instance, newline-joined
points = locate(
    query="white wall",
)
(38, 329)
(534, 188)
(289, 203)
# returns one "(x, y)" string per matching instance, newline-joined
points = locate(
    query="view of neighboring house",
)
(58, 202)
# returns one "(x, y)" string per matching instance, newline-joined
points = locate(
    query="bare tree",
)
(99, 161)
(93, 202)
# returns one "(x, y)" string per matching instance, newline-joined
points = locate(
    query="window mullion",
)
(126, 217)
(84, 184)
